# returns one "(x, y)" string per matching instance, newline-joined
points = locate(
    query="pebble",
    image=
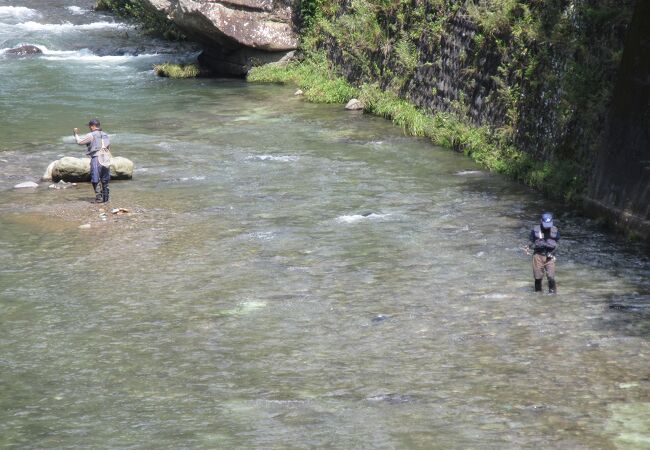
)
(85, 226)
(62, 185)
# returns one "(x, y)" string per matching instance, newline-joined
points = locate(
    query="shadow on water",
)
(585, 246)
(628, 314)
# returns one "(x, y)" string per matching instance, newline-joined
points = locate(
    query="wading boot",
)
(98, 193)
(551, 286)
(538, 285)
(105, 194)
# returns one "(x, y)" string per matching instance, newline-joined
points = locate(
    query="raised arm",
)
(87, 139)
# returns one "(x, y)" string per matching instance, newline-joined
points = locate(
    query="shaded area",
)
(620, 187)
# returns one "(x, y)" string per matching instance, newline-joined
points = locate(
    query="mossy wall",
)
(538, 74)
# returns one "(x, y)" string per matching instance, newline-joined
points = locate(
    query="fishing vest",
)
(539, 234)
(94, 145)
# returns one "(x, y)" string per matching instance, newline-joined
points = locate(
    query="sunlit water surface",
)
(288, 275)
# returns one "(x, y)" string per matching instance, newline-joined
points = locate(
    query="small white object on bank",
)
(298, 92)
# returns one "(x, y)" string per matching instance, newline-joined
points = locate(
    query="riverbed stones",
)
(70, 169)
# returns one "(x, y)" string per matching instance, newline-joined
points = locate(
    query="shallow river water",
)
(288, 275)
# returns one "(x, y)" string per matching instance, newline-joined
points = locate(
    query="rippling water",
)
(288, 275)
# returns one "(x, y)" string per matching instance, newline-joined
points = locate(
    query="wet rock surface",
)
(23, 50)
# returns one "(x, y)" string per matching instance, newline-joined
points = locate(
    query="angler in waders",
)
(99, 175)
(544, 239)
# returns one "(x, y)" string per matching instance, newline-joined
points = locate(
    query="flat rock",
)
(26, 184)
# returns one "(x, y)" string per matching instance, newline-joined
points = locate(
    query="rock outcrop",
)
(236, 34)
(72, 169)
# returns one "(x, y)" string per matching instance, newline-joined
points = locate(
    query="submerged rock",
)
(392, 398)
(24, 50)
(379, 318)
(72, 169)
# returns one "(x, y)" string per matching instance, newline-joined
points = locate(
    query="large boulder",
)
(72, 169)
(236, 33)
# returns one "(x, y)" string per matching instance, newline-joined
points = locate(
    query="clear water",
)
(288, 275)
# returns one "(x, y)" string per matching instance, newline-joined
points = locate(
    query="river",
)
(287, 275)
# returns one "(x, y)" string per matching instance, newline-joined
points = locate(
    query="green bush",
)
(152, 21)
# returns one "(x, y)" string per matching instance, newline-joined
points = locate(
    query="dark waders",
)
(99, 177)
(544, 263)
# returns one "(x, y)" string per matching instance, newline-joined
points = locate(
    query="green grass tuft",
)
(314, 76)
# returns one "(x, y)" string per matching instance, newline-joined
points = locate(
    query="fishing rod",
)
(549, 258)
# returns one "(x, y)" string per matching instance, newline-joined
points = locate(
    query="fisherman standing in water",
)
(99, 175)
(544, 239)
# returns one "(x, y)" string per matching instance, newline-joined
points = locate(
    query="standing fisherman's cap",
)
(94, 122)
(547, 220)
